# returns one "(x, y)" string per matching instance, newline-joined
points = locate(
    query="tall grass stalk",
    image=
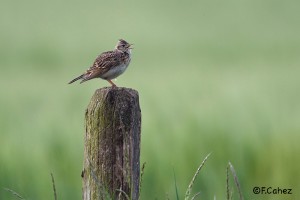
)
(141, 177)
(197, 194)
(176, 189)
(53, 185)
(236, 181)
(189, 189)
(228, 196)
(14, 193)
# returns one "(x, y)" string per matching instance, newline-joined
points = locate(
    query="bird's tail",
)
(77, 78)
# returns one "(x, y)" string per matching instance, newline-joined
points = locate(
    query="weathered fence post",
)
(112, 145)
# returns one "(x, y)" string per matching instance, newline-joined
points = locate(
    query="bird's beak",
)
(130, 46)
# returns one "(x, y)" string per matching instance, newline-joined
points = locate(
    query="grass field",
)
(213, 76)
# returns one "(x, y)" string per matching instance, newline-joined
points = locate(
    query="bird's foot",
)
(112, 84)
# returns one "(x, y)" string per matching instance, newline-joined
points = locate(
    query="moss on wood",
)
(112, 144)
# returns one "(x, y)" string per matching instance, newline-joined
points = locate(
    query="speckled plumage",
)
(109, 65)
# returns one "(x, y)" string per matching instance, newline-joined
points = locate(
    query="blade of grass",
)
(189, 189)
(227, 183)
(53, 185)
(141, 177)
(236, 181)
(14, 193)
(176, 190)
(197, 194)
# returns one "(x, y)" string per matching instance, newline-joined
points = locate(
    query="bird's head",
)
(123, 46)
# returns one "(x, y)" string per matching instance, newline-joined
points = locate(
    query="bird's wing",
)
(102, 64)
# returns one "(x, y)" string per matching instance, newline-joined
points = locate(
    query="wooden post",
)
(112, 145)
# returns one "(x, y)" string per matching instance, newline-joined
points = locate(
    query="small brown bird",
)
(109, 65)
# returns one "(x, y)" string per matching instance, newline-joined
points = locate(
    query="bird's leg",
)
(112, 84)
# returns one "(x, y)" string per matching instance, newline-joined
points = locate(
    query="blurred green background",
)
(213, 76)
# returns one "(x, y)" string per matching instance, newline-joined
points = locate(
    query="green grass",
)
(213, 76)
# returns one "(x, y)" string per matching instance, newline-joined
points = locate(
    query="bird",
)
(109, 65)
